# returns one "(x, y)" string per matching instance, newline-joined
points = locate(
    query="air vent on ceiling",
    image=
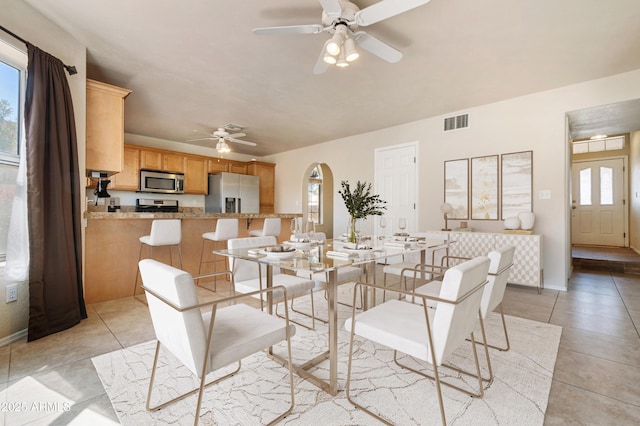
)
(231, 127)
(457, 122)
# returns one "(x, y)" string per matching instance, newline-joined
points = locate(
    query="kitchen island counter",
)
(112, 242)
(186, 214)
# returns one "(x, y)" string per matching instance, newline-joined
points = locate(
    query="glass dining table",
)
(328, 257)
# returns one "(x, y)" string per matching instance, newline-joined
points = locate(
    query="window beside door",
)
(314, 196)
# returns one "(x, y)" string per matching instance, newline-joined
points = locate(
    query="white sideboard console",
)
(527, 262)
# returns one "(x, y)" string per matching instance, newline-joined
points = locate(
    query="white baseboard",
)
(13, 337)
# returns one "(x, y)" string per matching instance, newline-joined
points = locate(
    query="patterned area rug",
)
(259, 392)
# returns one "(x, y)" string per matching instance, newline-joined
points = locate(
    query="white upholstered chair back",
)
(165, 232)
(244, 270)
(501, 259)
(452, 324)
(183, 333)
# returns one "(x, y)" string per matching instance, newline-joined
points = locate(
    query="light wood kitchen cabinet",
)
(196, 169)
(129, 178)
(173, 162)
(155, 159)
(195, 176)
(218, 165)
(105, 127)
(150, 159)
(266, 171)
(238, 167)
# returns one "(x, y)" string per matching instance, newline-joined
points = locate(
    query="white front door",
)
(395, 182)
(598, 202)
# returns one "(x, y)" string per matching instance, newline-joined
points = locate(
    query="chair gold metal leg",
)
(180, 397)
(322, 320)
(506, 335)
(480, 392)
(298, 322)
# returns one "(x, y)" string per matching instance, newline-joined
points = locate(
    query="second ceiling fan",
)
(223, 136)
(341, 19)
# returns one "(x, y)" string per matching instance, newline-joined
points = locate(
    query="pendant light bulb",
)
(334, 46)
(330, 59)
(351, 54)
(342, 63)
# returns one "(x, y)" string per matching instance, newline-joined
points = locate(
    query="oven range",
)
(156, 206)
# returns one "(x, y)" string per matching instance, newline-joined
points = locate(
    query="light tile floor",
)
(596, 379)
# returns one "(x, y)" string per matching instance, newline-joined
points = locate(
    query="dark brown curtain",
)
(56, 299)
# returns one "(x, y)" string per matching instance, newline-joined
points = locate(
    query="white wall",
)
(24, 21)
(535, 122)
(634, 191)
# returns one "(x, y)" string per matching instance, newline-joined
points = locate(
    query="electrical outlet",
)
(12, 293)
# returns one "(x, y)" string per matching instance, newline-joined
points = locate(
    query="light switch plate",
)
(544, 194)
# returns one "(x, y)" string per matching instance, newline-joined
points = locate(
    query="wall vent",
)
(457, 122)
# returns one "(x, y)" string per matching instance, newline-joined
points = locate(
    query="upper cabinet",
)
(166, 161)
(129, 178)
(196, 169)
(266, 171)
(196, 179)
(105, 127)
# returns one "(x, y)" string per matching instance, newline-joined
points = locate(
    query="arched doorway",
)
(317, 198)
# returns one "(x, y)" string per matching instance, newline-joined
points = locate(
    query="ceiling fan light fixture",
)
(351, 54)
(342, 63)
(334, 45)
(330, 59)
(222, 147)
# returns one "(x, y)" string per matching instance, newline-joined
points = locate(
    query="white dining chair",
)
(497, 277)
(249, 276)
(430, 335)
(206, 342)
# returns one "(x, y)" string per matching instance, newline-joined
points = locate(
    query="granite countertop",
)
(128, 212)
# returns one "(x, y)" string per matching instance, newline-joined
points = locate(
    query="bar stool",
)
(270, 228)
(164, 233)
(226, 229)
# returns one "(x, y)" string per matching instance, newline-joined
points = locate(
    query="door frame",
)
(625, 191)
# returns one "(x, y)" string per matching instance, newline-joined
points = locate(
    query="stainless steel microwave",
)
(161, 182)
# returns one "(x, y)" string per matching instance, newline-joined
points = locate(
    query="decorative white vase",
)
(512, 223)
(527, 219)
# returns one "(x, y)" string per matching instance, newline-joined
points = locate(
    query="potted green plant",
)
(360, 203)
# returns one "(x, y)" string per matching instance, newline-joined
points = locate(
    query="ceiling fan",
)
(341, 19)
(222, 136)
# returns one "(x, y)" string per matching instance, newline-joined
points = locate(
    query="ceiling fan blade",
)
(321, 66)
(291, 29)
(236, 135)
(230, 139)
(332, 8)
(385, 9)
(377, 47)
(200, 139)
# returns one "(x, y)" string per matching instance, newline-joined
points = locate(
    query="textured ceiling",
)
(196, 65)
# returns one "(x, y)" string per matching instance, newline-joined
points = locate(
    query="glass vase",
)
(352, 232)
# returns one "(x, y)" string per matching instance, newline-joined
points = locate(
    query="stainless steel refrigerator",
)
(233, 193)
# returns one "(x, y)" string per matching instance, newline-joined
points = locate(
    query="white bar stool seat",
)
(226, 229)
(164, 233)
